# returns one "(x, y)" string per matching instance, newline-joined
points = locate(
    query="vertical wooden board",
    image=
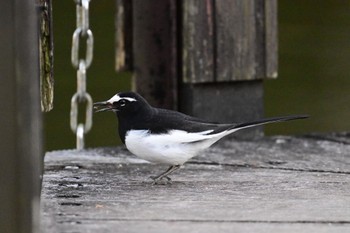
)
(260, 52)
(271, 38)
(225, 102)
(20, 119)
(155, 51)
(235, 40)
(46, 48)
(123, 35)
(9, 222)
(29, 119)
(119, 36)
(198, 41)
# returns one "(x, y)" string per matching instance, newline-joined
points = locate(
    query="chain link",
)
(79, 33)
(80, 137)
(81, 64)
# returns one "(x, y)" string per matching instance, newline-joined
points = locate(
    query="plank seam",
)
(246, 165)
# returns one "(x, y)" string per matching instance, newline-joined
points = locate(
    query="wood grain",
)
(269, 185)
(198, 53)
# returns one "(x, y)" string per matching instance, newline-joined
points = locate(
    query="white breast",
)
(173, 148)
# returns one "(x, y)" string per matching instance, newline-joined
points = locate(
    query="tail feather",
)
(225, 130)
(268, 120)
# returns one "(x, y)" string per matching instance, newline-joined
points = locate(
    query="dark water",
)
(314, 66)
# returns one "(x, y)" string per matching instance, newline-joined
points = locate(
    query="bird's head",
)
(124, 102)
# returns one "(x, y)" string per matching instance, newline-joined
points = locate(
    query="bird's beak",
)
(103, 106)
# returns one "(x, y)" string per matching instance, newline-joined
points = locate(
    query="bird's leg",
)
(165, 174)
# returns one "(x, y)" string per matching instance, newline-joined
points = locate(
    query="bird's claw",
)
(163, 180)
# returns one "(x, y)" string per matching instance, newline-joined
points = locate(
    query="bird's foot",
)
(164, 178)
(161, 180)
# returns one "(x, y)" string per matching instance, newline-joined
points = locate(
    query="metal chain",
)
(81, 64)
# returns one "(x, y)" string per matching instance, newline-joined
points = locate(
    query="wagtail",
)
(165, 136)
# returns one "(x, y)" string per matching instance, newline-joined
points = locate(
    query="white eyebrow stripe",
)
(116, 98)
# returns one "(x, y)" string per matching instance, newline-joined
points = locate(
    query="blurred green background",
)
(314, 58)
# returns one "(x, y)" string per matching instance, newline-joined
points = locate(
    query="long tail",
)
(225, 130)
(267, 121)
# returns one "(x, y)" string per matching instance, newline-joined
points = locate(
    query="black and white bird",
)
(167, 137)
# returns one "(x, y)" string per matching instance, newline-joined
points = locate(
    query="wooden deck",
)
(278, 184)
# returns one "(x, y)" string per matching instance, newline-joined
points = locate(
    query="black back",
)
(139, 115)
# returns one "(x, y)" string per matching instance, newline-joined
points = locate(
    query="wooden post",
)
(207, 58)
(228, 48)
(20, 118)
(155, 51)
(225, 102)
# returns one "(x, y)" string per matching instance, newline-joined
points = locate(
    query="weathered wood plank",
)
(229, 40)
(20, 118)
(90, 226)
(266, 39)
(198, 53)
(280, 183)
(46, 49)
(244, 101)
(155, 56)
(271, 44)
(123, 35)
(260, 41)
(342, 137)
(200, 193)
(284, 153)
(236, 40)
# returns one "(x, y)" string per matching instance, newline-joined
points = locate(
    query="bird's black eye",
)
(122, 102)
